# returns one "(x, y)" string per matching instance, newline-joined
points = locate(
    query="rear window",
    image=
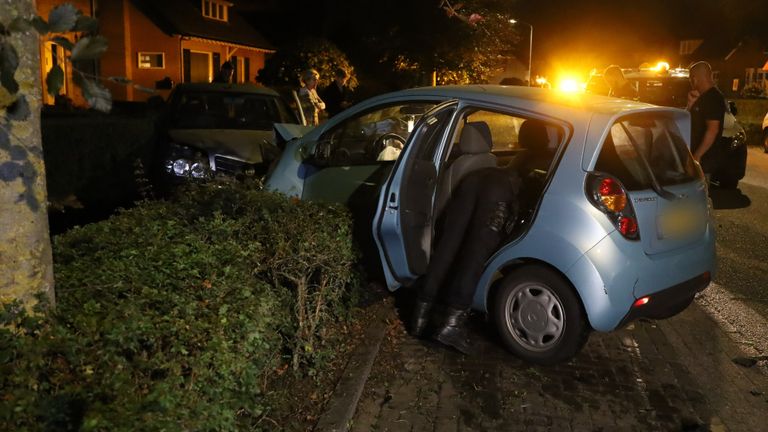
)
(640, 148)
(664, 91)
(228, 110)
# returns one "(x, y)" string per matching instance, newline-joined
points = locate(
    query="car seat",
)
(537, 156)
(475, 145)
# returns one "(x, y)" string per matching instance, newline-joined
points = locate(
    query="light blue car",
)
(614, 223)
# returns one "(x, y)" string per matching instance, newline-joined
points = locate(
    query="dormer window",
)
(216, 9)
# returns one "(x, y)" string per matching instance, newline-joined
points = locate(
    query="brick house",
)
(736, 64)
(151, 41)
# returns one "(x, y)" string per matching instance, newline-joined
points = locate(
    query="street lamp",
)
(530, 46)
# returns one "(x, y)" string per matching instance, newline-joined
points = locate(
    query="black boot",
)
(453, 331)
(420, 317)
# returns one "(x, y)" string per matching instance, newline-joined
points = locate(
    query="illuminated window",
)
(215, 9)
(151, 60)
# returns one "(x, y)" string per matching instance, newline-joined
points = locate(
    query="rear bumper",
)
(611, 276)
(662, 303)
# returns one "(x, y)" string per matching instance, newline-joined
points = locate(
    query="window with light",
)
(217, 10)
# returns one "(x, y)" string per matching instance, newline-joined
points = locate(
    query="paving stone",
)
(651, 376)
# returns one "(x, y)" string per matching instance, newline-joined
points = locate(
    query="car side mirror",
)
(732, 107)
(321, 155)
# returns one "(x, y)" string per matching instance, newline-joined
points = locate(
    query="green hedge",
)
(750, 114)
(175, 315)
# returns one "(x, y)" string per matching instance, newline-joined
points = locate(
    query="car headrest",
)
(475, 138)
(533, 136)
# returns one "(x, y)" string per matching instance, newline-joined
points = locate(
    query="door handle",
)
(392, 203)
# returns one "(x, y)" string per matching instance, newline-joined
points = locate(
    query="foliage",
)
(463, 42)
(286, 66)
(168, 317)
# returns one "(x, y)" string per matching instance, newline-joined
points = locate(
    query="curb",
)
(343, 403)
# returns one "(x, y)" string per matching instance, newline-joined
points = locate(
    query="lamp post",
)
(530, 46)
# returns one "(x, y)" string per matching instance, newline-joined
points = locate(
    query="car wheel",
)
(765, 140)
(539, 316)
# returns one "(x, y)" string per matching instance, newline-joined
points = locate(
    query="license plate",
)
(680, 221)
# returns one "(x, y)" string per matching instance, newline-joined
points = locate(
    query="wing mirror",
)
(321, 155)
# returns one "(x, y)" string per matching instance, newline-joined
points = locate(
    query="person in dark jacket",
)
(225, 73)
(336, 95)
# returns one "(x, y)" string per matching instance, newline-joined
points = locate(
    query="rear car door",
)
(403, 223)
(647, 154)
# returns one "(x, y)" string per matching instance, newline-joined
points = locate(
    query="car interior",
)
(526, 146)
(486, 139)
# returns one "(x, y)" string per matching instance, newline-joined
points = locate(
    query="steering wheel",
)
(380, 143)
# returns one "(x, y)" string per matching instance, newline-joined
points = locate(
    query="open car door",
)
(403, 223)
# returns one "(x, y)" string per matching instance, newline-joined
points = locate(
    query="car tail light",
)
(641, 301)
(608, 195)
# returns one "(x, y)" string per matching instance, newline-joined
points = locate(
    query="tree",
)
(465, 42)
(26, 267)
(25, 250)
(284, 68)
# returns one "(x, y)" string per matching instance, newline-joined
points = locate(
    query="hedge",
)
(175, 315)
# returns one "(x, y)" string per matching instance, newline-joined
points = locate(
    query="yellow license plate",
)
(680, 221)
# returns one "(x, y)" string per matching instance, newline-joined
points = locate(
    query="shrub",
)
(175, 315)
(753, 90)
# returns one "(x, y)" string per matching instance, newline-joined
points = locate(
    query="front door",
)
(403, 223)
(359, 154)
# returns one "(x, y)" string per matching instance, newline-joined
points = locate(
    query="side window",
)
(376, 136)
(505, 137)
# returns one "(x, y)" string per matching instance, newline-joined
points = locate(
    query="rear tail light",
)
(641, 301)
(608, 195)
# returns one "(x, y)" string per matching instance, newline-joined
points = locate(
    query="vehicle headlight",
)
(739, 139)
(181, 167)
(199, 170)
(184, 161)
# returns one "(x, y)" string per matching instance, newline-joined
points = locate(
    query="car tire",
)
(539, 316)
(765, 140)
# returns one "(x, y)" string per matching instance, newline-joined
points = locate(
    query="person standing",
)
(707, 107)
(619, 86)
(225, 73)
(336, 95)
(311, 103)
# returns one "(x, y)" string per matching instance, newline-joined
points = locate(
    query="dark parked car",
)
(212, 129)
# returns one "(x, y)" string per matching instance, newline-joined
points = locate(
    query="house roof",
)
(185, 18)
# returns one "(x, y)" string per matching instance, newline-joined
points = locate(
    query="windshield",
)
(225, 110)
(644, 147)
(672, 92)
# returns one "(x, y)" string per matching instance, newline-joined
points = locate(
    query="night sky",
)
(601, 32)
(574, 34)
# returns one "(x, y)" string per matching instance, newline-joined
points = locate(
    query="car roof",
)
(520, 96)
(226, 88)
(672, 74)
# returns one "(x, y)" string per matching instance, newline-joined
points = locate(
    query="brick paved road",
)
(673, 375)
